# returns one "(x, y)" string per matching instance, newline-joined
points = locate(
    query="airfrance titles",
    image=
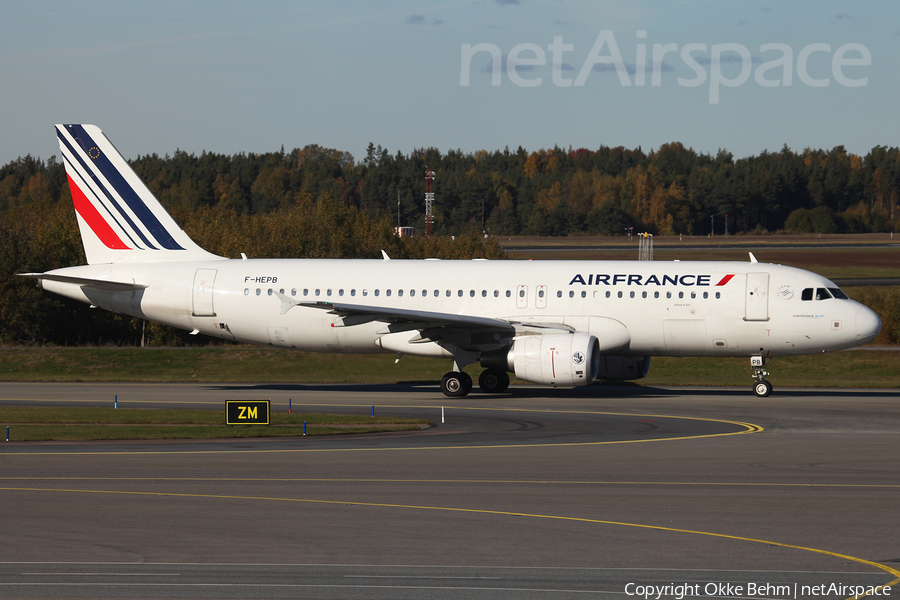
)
(637, 279)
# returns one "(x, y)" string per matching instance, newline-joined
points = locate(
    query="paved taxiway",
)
(538, 493)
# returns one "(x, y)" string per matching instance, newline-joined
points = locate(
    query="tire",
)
(456, 384)
(493, 381)
(763, 389)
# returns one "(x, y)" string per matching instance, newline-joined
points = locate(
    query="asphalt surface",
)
(538, 493)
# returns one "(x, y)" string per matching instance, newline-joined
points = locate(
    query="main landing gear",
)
(457, 384)
(762, 387)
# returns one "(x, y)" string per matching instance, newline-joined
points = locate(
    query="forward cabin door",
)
(757, 297)
(204, 286)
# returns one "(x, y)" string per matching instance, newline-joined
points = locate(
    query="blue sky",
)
(232, 76)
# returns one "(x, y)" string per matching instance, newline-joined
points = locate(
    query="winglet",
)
(384, 254)
(753, 258)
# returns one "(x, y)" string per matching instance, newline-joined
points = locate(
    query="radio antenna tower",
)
(429, 200)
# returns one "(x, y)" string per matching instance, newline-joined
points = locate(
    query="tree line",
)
(556, 192)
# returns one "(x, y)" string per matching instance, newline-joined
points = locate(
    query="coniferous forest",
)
(317, 202)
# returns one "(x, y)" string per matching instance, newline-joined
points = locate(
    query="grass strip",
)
(69, 423)
(856, 368)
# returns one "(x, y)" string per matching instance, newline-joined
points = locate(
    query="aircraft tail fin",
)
(119, 217)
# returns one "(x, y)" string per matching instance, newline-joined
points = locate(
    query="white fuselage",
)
(633, 308)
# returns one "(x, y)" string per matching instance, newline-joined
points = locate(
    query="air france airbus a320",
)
(561, 323)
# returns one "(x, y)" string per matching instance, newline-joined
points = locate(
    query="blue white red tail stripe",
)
(94, 219)
(99, 164)
(119, 217)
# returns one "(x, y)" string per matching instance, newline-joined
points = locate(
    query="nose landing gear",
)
(762, 388)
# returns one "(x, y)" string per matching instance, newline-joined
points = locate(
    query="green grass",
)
(68, 423)
(250, 365)
(858, 368)
(854, 368)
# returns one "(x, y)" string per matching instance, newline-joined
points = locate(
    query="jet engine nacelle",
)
(622, 368)
(563, 359)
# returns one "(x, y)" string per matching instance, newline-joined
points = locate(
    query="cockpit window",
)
(807, 294)
(838, 293)
(822, 294)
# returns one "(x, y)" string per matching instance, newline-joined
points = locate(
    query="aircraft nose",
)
(868, 325)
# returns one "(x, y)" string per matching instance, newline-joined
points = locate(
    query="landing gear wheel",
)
(456, 384)
(762, 388)
(493, 381)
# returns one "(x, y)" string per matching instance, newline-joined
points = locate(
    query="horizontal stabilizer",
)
(100, 284)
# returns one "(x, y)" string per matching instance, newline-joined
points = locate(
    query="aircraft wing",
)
(102, 284)
(400, 315)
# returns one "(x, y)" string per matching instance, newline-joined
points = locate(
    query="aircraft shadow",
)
(527, 391)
